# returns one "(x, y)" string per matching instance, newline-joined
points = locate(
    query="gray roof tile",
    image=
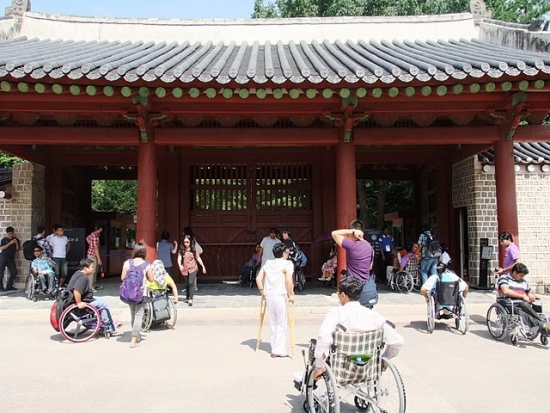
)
(524, 153)
(352, 62)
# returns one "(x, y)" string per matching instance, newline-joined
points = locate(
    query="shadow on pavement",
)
(252, 344)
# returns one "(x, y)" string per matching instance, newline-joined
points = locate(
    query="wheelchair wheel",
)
(171, 323)
(514, 339)
(498, 321)
(79, 325)
(29, 288)
(321, 395)
(405, 282)
(390, 390)
(543, 339)
(462, 320)
(147, 319)
(430, 322)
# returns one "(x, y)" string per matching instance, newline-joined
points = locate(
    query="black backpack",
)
(433, 248)
(28, 249)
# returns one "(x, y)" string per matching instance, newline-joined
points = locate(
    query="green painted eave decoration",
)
(194, 92)
(5, 86)
(126, 91)
(91, 90)
(377, 92)
(177, 92)
(393, 92)
(458, 89)
(260, 93)
(109, 91)
(143, 91)
(294, 93)
(474, 88)
(160, 92)
(40, 88)
(244, 93)
(490, 87)
(345, 93)
(523, 85)
(278, 93)
(57, 89)
(506, 86)
(228, 93)
(361, 92)
(327, 93)
(75, 90)
(23, 87)
(409, 91)
(211, 93)
(539, 84)
(426, 91)
(441, 90)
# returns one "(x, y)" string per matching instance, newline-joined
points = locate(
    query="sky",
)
(176, 9)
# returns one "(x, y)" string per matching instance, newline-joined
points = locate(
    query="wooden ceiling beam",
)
(532, 133)
(426, 136)
(39, 135)
(247, 137)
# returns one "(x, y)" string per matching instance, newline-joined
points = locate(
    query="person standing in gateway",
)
(93, 255)
(267, 245)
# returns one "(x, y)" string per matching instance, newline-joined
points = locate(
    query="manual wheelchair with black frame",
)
(159, 310)
(446, 301)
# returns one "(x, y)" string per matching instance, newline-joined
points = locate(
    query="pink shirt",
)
(189, 263)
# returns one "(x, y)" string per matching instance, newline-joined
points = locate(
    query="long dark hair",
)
(183, 250)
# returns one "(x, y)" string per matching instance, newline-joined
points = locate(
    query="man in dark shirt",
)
(9, 245)
(82, 292)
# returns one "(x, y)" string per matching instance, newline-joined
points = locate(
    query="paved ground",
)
(208, 363)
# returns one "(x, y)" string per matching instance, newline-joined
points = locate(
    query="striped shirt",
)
(520, 287)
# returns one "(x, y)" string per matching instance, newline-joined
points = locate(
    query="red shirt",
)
(93, 241)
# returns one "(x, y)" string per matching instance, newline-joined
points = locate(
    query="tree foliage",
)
(519, 11)
(7, 160)
(328, 8)
(114, 196)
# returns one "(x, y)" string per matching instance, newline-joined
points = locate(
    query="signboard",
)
(372, 235)
(486, 252)
(77, 238)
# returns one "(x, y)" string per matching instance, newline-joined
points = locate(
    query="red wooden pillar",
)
(505, 181)
(147, 197)
(346, 196)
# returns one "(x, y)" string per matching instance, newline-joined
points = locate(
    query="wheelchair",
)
(249, 273)
(299, 277)
(408, 279)
(502, 321)
(77, 325)
(445, 301)
(355, 367)
(33, 289)
(159, 310)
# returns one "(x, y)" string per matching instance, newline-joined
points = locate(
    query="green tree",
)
(7, 160)
(518, 11)
(114, 196)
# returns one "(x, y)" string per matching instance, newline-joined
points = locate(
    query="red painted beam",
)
(426, 136)
(40, 135)
(532, 133)
(247, 137)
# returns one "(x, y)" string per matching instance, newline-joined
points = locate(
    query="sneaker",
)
(11, 289)
(184, 290)
(321, 278)
(98, 287)
(196, 288)
(546, 328)
(533, 331)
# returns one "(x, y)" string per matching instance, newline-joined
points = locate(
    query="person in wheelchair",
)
(446, 276)
(352, 316)
(514, 290)
(42, 268)
(162, 281)
(79, 285)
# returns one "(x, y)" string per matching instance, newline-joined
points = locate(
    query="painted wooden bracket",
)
(510, 118)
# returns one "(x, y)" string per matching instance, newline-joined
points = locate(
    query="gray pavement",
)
(315, 298)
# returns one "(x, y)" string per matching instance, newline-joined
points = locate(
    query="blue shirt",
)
(165, 248)
(385, 242)
(41, 264)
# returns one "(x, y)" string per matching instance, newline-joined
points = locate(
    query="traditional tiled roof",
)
(524, 153)
(294, 62)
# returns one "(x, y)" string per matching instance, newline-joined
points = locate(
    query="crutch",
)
(263, 307)
(291, 326)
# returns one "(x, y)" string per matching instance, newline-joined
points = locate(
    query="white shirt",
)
(274, 280)
(446, 276)
(267, 248)
(445, 258)
(355, 317)
(59, 246)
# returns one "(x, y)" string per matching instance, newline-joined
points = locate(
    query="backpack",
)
(296, 255)
(433, 249)
(28, 249)
(64, 299)
(161, 309)
(131, 289)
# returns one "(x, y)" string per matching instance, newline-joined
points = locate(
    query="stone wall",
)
(516, 37)
(25, 210)
(475, 190)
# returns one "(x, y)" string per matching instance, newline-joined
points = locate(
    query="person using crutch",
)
(275, 284)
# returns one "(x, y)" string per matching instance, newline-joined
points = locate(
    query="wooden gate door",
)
(234, 205)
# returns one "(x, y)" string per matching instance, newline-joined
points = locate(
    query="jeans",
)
(50, 276)
(10, 264)
(525, 312)
(428, 267)
(60, 268)
(105, 311)
(136, 315)
(191, 285)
